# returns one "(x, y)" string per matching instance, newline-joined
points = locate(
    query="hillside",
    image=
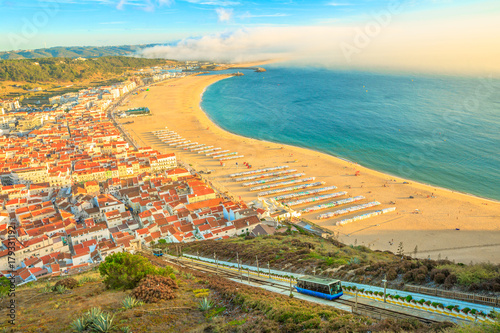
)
(64, 69)
(176, 300)
(301, 253)
(74, 52)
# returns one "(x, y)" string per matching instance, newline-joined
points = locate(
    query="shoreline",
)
(433, 229)
(341, 158)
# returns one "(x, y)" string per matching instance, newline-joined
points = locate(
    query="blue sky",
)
(31, 24)
(447, 36)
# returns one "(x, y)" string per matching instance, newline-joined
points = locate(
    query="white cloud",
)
(224, 15)
(449, 46)
(338, 4)
(248, 15)
(146, 5)
(114, 22)
(120, 4)
(223, 3)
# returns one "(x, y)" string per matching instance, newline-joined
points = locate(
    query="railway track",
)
(360, 308)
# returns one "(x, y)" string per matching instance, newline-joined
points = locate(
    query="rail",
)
(474, 298)
(250, 277)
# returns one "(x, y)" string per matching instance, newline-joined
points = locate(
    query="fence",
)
(474, 298)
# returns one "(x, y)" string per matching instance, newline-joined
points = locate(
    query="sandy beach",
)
(433, 230)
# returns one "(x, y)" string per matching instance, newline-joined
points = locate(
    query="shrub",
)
(392, 274)
(68, 283)
(205, 304)
(46, 289)
(60, 289)
(420, 278)
(131, 302)
(155, 288)
(94, 321)
(79, 325)
(475, 274)
(86, 279)
(103, 323)
(423, 270)
(439, 278)
(4, 286)
(408, 298)
(408, 276)
(450, 281)
(124, 270)
(465, 310)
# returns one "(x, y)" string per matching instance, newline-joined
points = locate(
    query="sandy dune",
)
(175, 104)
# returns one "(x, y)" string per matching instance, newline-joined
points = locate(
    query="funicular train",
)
(321, 287)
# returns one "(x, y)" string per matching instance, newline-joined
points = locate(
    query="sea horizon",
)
(443, 127)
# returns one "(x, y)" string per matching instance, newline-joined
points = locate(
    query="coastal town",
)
(76, 189)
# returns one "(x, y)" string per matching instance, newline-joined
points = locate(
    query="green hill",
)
(66, 69)
(74, 52)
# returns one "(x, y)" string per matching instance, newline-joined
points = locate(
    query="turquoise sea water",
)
(438, 130)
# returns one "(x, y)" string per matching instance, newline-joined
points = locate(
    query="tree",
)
(124, 270)
(400, 249)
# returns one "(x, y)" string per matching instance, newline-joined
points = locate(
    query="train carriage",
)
(158, 252)
(316, 286)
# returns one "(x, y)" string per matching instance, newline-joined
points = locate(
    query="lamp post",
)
(385, 287)
(356, 304)
(241, 273)
(217, 267)
(269, 269)
(258, 271)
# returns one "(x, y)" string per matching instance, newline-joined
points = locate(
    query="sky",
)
(432, 35)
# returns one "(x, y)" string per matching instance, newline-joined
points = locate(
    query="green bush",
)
(124, 270)
(131, 302)
(94, 320)
(60, 289)
(4, 286)
(205, 304)
(474, 274)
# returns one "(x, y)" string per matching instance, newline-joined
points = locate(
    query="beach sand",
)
(175, 104)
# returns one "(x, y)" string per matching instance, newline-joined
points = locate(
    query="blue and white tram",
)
(321, 287)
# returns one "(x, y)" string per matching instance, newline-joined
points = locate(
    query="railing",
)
(474, 298)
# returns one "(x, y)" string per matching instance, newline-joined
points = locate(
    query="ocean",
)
(439, 130)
